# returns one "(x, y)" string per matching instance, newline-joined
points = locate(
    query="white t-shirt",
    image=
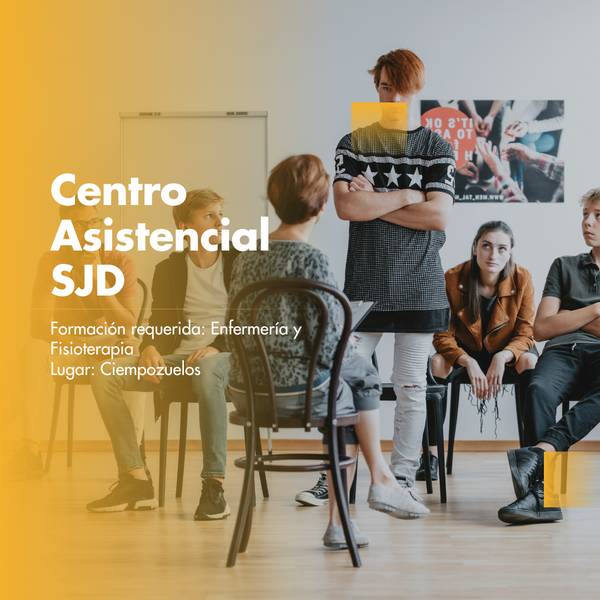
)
(205, 303)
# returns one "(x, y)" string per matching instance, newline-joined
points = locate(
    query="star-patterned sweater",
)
(397, 267)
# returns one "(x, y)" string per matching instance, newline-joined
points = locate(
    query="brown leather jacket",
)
(511, 321)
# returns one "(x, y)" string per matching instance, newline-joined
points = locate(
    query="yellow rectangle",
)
(568, 479)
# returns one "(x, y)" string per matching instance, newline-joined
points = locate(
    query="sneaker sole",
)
(343, 545)
(517, 518)
(307, 499)
(149, 504)
(395, 512)
(215, 516)
(519, 486)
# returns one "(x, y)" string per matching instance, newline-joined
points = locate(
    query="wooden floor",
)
(460, 551)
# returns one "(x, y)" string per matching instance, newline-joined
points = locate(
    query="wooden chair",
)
(61, 382)
(262, 408)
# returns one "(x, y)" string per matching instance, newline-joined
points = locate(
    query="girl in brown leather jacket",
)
(491, 299)
(491, 325)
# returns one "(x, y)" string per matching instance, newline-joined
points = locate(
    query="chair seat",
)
(237, 418)
(264, 462)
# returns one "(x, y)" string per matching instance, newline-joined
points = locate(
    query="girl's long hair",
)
(473, 291)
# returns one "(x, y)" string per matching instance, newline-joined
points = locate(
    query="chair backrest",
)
(256, 294)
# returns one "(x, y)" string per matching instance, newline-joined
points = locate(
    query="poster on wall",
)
(506, 150)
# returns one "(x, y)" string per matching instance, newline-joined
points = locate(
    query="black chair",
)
(62, 382)
(265, 413)
(179, 392)
(435, 402)
(460, 377)
(436, 408)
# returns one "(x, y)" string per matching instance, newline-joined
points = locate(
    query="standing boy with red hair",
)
(394, 183)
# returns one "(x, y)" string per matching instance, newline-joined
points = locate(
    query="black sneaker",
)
(212, 505)
(317, 495)
(433, 468)
(530, 509)
(526, 468)
(127, 494)
(125, 475)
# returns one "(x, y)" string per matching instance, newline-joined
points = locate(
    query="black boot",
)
(530, 509)
(433, 468)
(526, 467)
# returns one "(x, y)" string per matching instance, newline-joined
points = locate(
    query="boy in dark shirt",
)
(569, 368)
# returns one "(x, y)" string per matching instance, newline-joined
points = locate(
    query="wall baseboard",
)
(309, 445)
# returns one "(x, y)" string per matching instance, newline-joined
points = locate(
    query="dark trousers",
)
(564, 372)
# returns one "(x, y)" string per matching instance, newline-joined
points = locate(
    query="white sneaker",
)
(397, 501)
(334, 538)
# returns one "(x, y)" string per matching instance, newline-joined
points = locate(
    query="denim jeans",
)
(409, 378)
(563, 372)
(208, 389)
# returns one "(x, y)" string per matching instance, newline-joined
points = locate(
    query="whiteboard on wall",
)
(223, 151)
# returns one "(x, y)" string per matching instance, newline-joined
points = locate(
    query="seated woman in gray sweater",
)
(298, 189)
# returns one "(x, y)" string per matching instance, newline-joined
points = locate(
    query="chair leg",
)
(341, 445)
(53, 426)
(250, 513)
(439, 434)
(354, 484)
(454, 400)
(340, 495)
(426, 458)
(242, 528)
(70, 423)
(162, 455)
(247, 451)
(249, 517)
(261, 474)
(519, 398)
(183, 422)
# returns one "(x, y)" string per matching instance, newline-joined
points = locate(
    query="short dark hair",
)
(194, 200)
(298, 188)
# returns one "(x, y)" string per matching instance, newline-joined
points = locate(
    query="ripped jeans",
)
(409, 378)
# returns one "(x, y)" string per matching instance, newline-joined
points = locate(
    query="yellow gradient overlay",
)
(70, 69)
(567, 479)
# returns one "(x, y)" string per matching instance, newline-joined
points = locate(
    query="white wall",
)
(305, 62)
